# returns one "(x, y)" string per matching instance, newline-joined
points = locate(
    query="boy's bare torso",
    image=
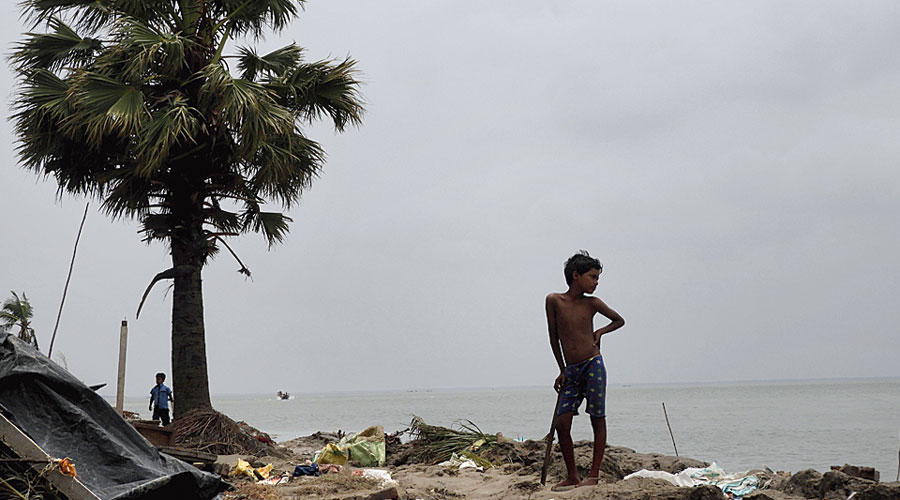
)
(574, 320)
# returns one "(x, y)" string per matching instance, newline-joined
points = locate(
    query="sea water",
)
(785, 425)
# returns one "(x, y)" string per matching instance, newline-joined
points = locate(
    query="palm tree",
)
(18, 312)
(132, 102)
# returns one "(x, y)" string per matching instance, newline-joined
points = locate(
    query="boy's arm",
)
(550, 307)
(616, 321)
(151, 400)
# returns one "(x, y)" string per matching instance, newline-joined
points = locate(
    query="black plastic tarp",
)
(67, 419)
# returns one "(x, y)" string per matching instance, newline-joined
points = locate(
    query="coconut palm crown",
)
(17, 312)
(134, 103)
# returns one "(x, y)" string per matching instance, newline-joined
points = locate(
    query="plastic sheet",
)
(736, 485)
(67, 419)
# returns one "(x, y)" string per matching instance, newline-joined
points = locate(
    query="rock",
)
(772, 495)
(861, 472)
(882, 491)
(836, 482)
(386, 494)
(627, 461)
(805, 483)
(706, 492)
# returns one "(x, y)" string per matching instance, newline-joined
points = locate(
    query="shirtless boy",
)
(576, 346)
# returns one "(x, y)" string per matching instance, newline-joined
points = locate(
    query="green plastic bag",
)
(366, 449)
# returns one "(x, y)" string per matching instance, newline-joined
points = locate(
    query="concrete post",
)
(120, 383)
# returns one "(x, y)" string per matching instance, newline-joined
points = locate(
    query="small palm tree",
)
(17, 312)
(134, 103)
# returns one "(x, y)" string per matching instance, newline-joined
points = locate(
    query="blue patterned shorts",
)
(586, 379)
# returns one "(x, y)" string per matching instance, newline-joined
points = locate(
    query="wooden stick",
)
(68, 277)
(898, 465)
(550, 441)
(670, 428)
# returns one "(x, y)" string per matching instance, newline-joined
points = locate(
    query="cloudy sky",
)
(733, 164)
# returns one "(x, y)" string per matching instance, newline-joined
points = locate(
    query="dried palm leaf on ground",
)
(213, 432)
(434, 444)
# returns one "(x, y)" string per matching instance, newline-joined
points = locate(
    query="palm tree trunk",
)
(190, 381)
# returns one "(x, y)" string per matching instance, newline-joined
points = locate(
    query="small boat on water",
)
(283, 395)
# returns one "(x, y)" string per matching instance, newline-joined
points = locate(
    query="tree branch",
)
(168, 274)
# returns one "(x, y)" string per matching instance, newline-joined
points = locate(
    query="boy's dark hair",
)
(580, 263)
(161, 375)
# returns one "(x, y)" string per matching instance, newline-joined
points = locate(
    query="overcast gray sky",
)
(733, 164)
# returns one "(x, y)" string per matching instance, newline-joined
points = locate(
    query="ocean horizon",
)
(788, 425)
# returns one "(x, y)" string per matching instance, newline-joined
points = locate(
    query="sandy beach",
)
(517, 476)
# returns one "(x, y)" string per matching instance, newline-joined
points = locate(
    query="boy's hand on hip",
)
(558, 383)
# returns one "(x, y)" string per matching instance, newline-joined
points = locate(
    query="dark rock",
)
(805, 483)
(882, 491)
(856, 471)
(386, 494)
(836, 482)
(706, 492)
(772, 495)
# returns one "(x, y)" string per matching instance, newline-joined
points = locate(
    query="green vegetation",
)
(436, 444)
(17, 313)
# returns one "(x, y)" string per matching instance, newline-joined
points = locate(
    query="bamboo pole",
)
(670, 428)
(68, 277)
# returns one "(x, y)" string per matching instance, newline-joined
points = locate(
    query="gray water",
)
(785, 425)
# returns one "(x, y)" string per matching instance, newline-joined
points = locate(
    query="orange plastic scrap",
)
(66, 467)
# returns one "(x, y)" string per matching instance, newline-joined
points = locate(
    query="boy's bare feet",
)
(565, 485)
(588, 481)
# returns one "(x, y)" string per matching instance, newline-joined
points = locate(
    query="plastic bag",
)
(332, 454)
(243, 468)
(366, 449)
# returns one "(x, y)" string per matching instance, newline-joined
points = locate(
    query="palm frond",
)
(44, 92)
(223, 220)
(126, 195)
(167, 128)
(247, 109)
(275, 63)
(253, 17)
(285, 166)
(52, 51)
(49, 148)
(16, 311)
(273, 225)
(435, 443)
(105, 106)
(94, 15)
(149, 49)
(87, 15)
(157, 226)
(322, 88)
